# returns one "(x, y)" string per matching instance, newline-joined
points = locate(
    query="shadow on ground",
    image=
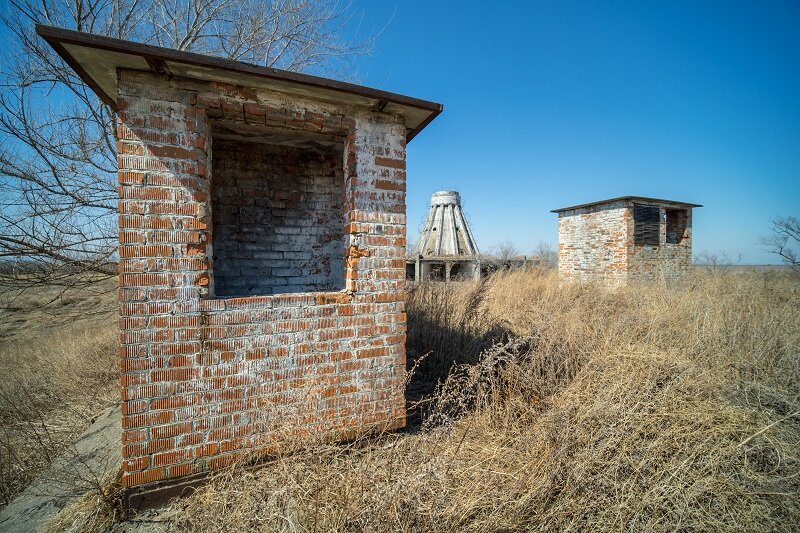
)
(433, 348)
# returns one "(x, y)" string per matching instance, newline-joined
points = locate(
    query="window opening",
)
(677, 222)
(646, 224)
(277, 207)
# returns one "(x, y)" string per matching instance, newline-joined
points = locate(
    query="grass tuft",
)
(533, 406)
(549, 407)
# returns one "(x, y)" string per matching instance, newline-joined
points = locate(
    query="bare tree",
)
(411, 249)
(785, 240)
(499, 257)
(58, 196)
(504, 251)
(546, 254)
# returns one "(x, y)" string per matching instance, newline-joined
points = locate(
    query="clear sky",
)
(549, 104)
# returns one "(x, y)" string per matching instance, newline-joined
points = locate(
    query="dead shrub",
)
(54, 387)
(646, 408)
(99, 509)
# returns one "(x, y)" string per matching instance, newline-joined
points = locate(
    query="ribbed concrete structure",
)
(446, 231)
(446, 246)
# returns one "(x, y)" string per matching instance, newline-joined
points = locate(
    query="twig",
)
(762, 430)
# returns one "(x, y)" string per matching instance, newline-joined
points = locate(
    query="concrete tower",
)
(446, 246)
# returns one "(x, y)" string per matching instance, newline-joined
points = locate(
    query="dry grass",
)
(535, 407)
(648, 408)
(99, 509)
(60, 371)
(26, 314)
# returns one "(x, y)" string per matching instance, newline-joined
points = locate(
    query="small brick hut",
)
(262, 225)
(624, 239)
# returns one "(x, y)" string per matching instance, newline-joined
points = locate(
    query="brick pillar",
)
(164, 267)
(376, 223)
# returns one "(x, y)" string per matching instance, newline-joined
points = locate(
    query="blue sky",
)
(549, 104)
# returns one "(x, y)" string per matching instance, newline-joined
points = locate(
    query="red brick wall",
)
(205, 379)
(596, 243)
(667, 261)
(278, 218)
(592, 243)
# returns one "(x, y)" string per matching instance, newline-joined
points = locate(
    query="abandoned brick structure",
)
(261, 253)
(446, 249)
(630, 238)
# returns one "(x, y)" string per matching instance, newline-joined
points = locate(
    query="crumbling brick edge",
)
(157, 494)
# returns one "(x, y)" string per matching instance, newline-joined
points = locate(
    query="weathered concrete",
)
(446, 247)
(95, 455)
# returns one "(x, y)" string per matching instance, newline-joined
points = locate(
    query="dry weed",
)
(53, 387)
(646, 408)
(97, 510)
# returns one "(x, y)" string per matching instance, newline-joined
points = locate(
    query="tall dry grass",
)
(60, 370)
(646, 408)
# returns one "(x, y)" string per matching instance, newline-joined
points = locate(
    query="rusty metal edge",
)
(79, 70)
(625, 199)
(423, 124)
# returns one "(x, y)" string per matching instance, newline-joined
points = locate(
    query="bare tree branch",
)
(58, 190)
(785, 240)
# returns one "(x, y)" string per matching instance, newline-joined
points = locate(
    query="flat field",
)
(58, 352)
(533, 406)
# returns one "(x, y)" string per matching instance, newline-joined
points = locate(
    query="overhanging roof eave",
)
(59, 37)
(626, 199)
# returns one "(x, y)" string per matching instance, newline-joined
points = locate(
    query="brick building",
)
(262, 228)
(625, 239)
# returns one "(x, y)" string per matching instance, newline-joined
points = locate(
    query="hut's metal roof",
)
(96, 59)
(642, 199)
